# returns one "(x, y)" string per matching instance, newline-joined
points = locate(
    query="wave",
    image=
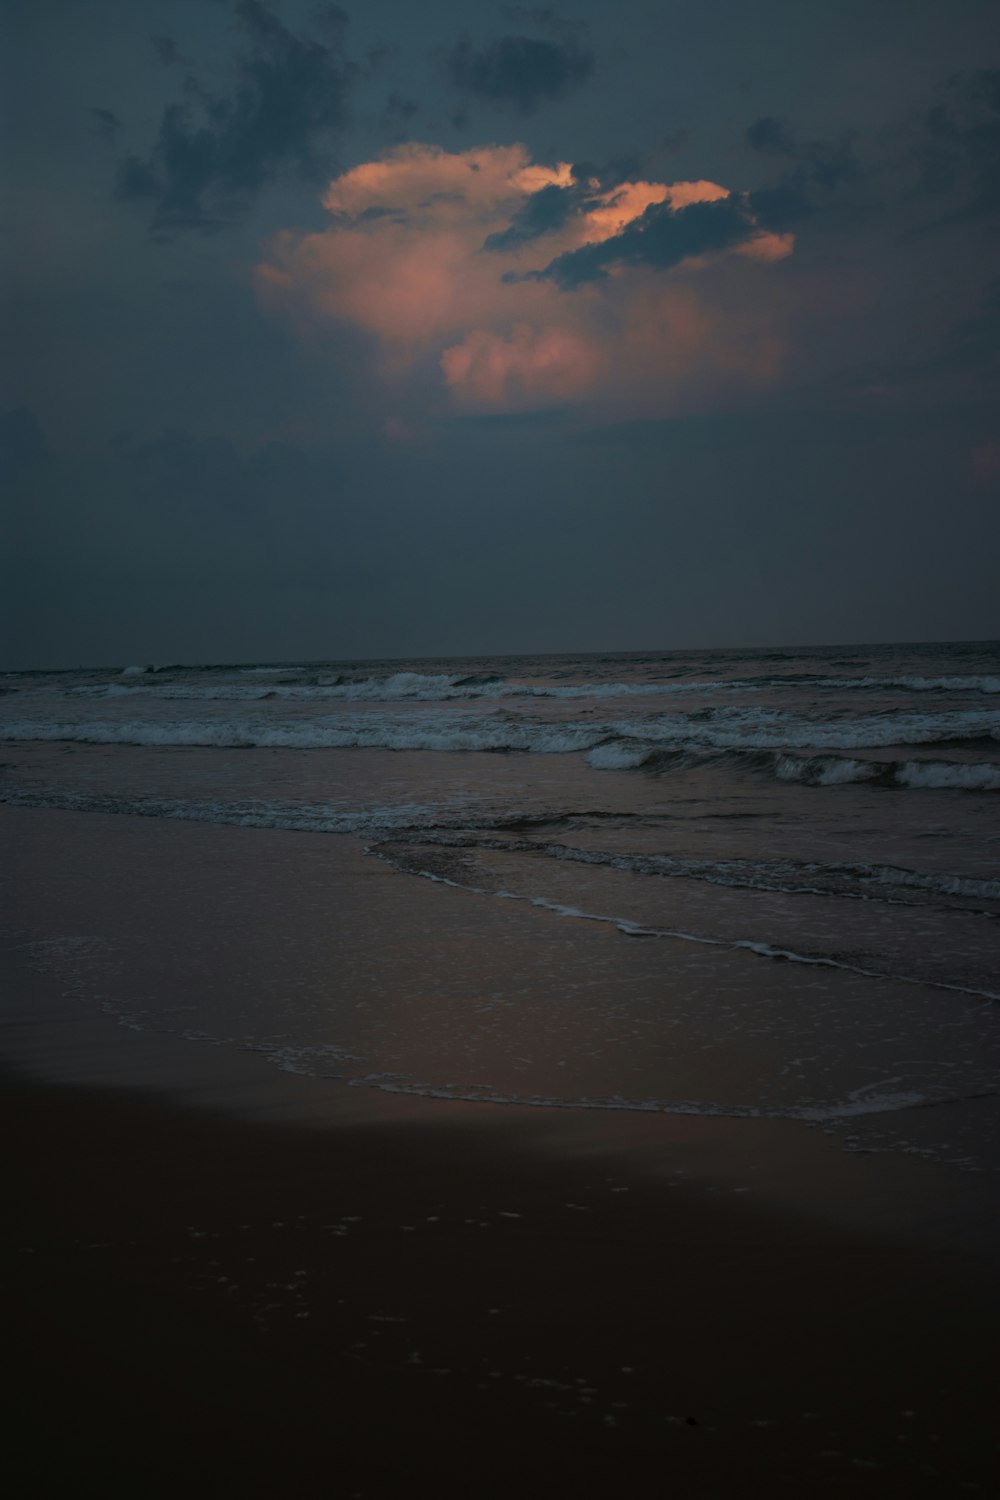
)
(972, 683)
(329, 734)
(754, 743)
(808, 770)
(275, 684)
(400, 686)
(939, 775)
(764, 729)
(297, 817)
(286, 682)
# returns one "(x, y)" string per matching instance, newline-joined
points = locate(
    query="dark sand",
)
(209, 1306)
(461, 1300)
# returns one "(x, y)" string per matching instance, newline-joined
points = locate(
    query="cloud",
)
(771, 136)
(937, 169)
(167, 53)
(399, 109)
(959, 146)
(816, 170)
(547, 209)
(662, 236)
(213, 154)
(521, 71)
(544, 18)
(508, 285)
(106, 124)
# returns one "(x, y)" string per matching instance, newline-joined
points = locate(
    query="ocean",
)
(735, 883)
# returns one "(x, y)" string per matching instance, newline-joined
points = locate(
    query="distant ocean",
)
(812, 835)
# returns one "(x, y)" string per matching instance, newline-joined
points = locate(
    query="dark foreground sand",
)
(201, 1305)
(416, 1295)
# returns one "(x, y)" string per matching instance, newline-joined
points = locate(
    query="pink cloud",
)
(403, 259)
(494, 370)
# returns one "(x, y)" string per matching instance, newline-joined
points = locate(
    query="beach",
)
(329, 1171)
(500, 751)
(227, 1308)
(226, 1279)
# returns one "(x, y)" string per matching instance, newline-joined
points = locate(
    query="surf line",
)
(635, 929)
(668, 867)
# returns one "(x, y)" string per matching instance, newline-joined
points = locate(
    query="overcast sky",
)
(407, 329)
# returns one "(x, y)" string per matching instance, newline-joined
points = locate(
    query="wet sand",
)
(352, 1293)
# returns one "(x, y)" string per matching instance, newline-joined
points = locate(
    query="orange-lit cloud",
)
(408, 258)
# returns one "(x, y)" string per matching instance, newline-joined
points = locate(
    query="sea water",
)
(730, 882)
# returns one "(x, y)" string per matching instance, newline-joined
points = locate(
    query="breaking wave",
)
(809, 770)
(747, 740)
(972, 683)
(294, 684)
(939, 775)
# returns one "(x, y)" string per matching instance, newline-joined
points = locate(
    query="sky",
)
(404, 330)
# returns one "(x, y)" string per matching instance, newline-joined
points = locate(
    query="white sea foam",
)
(830, 770)
(972, 683)
(619, 755)
(617, 746)
(953, 777)
(443, 687)
(813, 1114)
(931, 774)
(329, 733)
(772, 729)
(400, 686)
(945, 884)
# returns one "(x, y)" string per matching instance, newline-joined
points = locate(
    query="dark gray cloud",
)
(676, 139)
(816, 169)
(544, 18)
(661, 237)
(332, 21)
(521, 71)
(213, 154)
(960, 146)
(399, 110)
(943, 165)
(167, 53)
(785, 204)
(553, 206)
(106, 123)
(771, 136)
(543, 211)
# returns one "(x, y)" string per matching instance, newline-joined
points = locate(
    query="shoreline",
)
(228, 1278)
